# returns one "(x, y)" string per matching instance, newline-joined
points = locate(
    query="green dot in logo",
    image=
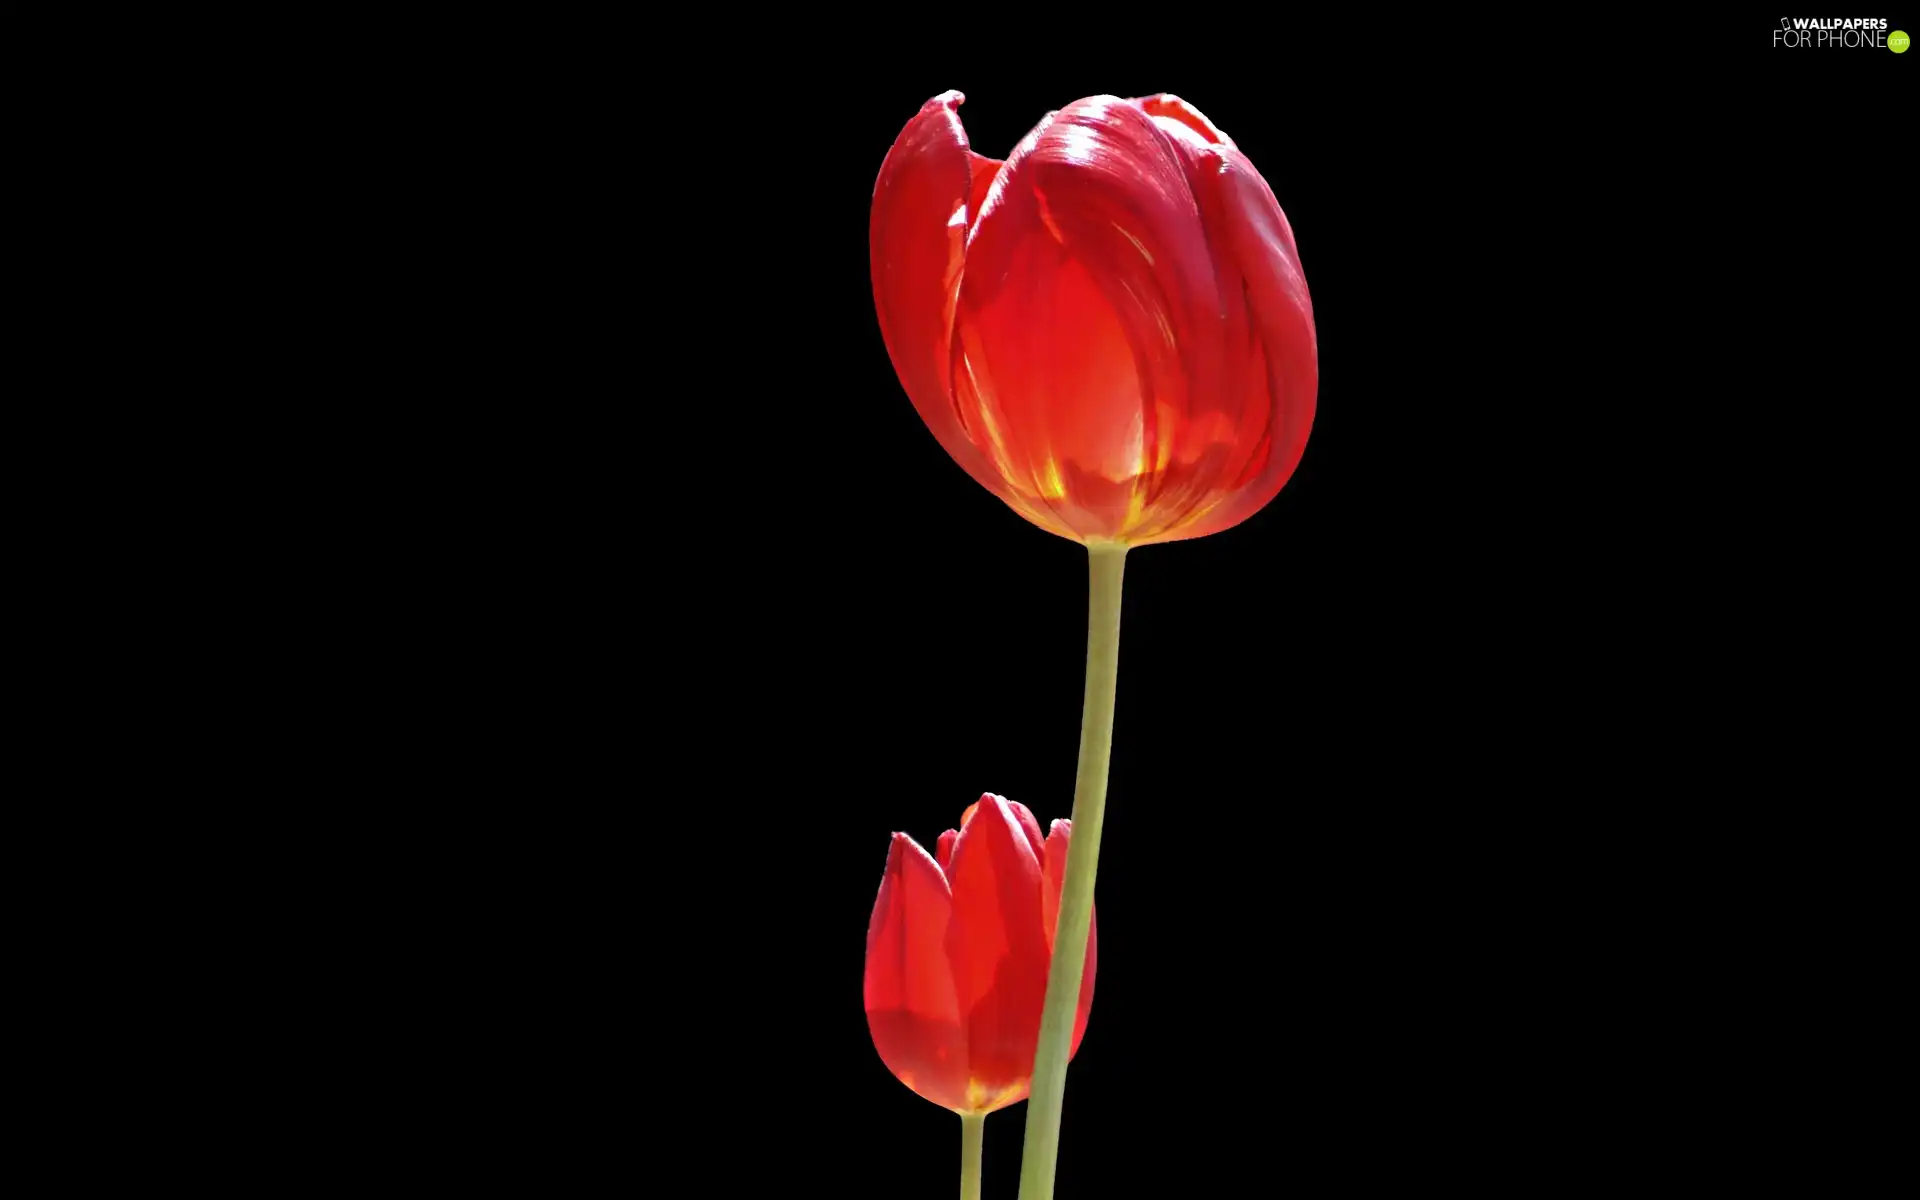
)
(1897, 42)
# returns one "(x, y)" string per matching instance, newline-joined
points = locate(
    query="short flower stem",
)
(1105, 564)
(972, 1128)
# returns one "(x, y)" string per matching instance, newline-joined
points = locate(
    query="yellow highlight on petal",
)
(1046, 216)
(1166, 329)
(1136, 242)
(981, 1100)
(1051, 485)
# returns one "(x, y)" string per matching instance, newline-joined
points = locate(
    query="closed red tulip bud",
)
(957, 955)
(1110, 330)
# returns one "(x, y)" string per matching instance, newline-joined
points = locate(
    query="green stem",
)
(972, 1128)
(1105, 564)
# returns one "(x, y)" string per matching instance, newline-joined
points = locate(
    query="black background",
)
(1425, 857)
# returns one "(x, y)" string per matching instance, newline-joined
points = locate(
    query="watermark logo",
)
(1838, 33)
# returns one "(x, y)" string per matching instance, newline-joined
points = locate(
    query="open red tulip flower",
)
(957, 955)
(1110, 330)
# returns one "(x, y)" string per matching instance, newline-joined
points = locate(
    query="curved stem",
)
(1105, 564)
(973, 1127)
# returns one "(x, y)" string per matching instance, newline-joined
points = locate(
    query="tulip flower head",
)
(957, 956)
(1110, 330)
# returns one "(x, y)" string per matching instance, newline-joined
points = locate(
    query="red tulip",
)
(957, 955)
(1110, 330)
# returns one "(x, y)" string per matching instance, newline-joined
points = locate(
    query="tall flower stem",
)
(1106, 561)
(973, 1127)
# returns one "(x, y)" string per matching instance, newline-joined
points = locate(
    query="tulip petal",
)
(1259, 263)
(1059, 836)
(1242, 452)
(911, 1006)
(1021, 813)
(943, 849)
(998, 951)
(1166, 108)
(1087, 337)
(1030, 826)
(984, 172)
(929, 188)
